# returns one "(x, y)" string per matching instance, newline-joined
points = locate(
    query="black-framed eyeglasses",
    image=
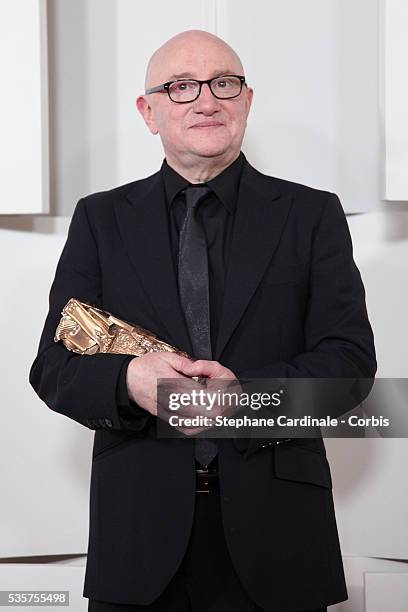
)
(187, 90)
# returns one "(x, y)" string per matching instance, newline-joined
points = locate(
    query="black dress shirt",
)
(216, 214)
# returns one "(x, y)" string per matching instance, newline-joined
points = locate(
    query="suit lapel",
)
(259, 220)
(143, 223)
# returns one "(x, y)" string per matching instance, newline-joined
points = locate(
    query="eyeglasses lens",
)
(222, 87)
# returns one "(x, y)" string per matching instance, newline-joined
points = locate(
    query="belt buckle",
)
(206, 480)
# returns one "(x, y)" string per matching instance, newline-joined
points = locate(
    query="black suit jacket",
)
(294, 306)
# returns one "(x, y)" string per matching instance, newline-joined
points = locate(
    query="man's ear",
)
(146, 111)
(250, 95)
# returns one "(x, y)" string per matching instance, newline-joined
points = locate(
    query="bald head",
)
(185, 52)
(203, 136)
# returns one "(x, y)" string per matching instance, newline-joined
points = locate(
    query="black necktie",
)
(194, 293)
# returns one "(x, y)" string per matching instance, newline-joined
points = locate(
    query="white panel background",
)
(23, 107)
(315, 116)
(50, 577)
(356, 569)
(370, 495)
(386, 592)
(395, 97)
(44, 459)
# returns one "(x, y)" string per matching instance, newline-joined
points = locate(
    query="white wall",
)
(23, 107)
(98, 49)
(316, 106)
(394, 100)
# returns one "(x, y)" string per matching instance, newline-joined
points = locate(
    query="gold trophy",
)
(87, 330)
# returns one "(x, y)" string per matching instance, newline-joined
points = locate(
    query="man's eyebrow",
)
(189, 75)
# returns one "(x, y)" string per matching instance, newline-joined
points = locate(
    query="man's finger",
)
(201, 367)
(178, 362)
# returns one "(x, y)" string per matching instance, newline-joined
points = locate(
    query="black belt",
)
(207, 480)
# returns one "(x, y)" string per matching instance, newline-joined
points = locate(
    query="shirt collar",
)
(225, 185)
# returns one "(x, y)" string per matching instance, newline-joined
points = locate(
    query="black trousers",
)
(206, 580)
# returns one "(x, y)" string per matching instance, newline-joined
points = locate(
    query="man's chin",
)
(209, 145)
(210, 150)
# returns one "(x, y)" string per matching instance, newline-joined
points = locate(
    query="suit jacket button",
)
(108, 423)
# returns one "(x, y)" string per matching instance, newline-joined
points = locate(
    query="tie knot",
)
(196, 194)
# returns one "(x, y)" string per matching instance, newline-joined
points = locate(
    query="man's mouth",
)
(207, 124)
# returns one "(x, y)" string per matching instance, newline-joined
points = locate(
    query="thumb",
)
(200, 367)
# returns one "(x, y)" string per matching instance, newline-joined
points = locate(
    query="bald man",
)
(252, 276)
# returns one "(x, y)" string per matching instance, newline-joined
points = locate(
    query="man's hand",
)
(143, 372)
(213, 373)
(210, 369)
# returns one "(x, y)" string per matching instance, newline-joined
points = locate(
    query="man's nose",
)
(206, 100)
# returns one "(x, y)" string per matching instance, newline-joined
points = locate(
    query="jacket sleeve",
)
(338, 339)
(82, 387)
